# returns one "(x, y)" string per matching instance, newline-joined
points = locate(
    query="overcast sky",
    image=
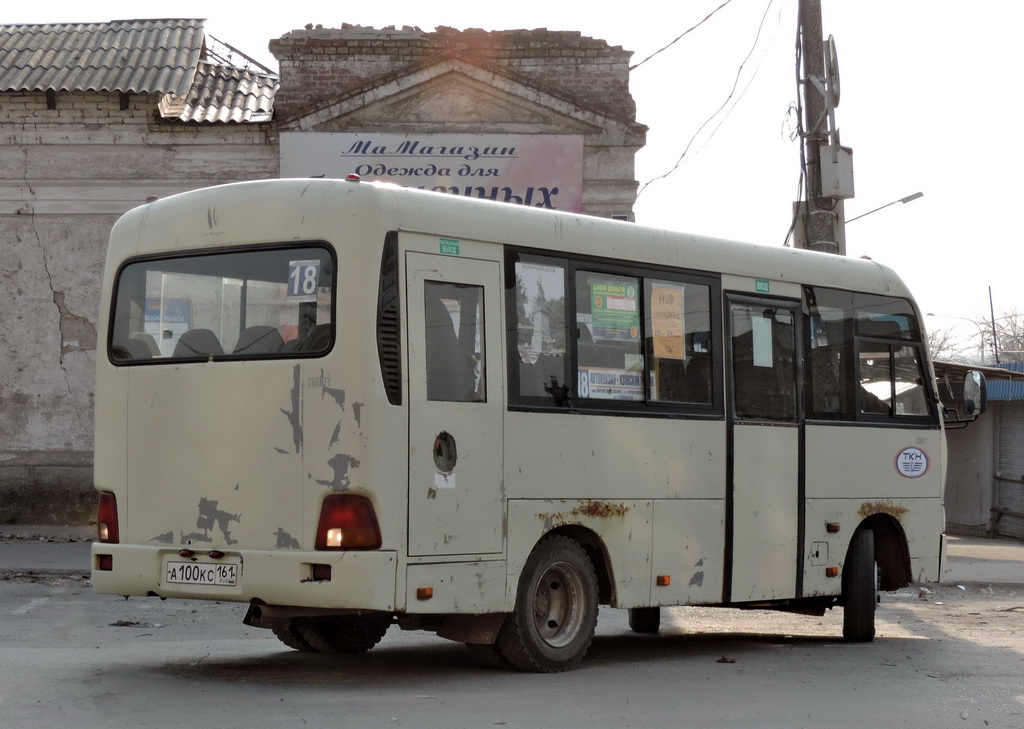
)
(929, 103)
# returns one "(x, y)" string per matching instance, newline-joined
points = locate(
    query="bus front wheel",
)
(556, 609)
(860, 588)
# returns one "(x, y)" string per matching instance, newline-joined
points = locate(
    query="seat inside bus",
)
(198, 343)
(260, 339)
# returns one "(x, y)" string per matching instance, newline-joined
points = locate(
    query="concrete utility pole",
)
(823, 216)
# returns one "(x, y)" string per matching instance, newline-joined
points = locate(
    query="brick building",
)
(95, 118)
(408, 82)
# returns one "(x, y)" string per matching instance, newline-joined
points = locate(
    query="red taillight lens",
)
(347, 521)
(106, 519)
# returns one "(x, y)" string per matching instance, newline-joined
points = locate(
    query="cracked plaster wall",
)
(50, 267)
(66, 175)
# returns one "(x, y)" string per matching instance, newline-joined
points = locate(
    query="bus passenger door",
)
(455, 406)
(763, 498)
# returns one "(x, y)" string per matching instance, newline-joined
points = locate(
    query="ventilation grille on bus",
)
(388, 323)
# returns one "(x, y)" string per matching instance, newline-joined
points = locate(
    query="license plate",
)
(202, 573)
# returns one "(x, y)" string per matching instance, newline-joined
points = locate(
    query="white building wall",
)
(969, 485)
(1009, 476)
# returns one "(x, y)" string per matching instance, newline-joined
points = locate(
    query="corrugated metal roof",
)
(138, 56)
(224, 94)
(1007, 389)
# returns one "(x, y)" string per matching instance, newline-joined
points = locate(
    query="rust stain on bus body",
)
(588, 509)
(869, 508)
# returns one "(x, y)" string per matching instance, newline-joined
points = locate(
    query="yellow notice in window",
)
(667, 324)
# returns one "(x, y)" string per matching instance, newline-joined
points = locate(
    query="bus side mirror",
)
(975, 394)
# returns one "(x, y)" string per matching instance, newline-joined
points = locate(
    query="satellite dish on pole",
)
(832, 73)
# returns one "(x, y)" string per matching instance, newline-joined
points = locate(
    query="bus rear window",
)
(246, 303)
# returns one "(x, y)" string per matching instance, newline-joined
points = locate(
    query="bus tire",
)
(645, 619)
(555, 613)
(344, 634)
(860, 588)
(292, 638)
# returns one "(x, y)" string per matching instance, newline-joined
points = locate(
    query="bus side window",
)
(827, 381)
(538, 352)
(909, 377)
(864, 357)
(764, 367)
(892, 381)
(454, 339)
(677, 326)
(828, 371)
(609, 347)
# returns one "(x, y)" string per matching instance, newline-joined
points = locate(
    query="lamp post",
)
(903, 200)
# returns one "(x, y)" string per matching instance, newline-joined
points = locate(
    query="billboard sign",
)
(537, 170)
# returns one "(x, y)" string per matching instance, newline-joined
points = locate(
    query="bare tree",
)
(944, 346)
(1008, 330)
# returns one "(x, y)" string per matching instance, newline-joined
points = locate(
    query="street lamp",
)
(903, 200)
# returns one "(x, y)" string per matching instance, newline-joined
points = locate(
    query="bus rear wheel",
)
(860, 588)
(344, 634)
(292, 638)
(556, 609)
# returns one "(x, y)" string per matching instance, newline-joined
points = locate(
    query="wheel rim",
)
(557, 605)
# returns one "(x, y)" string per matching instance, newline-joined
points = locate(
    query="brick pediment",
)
(454, 94)
(452, 98)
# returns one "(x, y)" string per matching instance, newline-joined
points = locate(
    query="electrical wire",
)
(802, 183)
(724, 104)
(681, 36)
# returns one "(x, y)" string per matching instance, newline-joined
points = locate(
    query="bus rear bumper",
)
(329, 580)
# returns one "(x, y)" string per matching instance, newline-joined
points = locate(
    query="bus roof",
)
(306, 209)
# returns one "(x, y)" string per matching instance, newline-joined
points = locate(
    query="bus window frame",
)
(930, 419)
(574, 265)
(855, 328)
(198, 253)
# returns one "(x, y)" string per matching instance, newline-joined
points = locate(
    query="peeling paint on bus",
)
(698, 577)
(295, 414)
(286, 540)
(340, 463)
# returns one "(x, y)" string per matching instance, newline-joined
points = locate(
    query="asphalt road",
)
(949, 655)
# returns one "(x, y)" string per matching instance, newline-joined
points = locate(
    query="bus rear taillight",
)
(347, 521)
(106, 519)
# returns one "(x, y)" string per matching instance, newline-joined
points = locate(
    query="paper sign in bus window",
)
(605, 383)
(762, 330)
(614, 311)
(667, 322)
